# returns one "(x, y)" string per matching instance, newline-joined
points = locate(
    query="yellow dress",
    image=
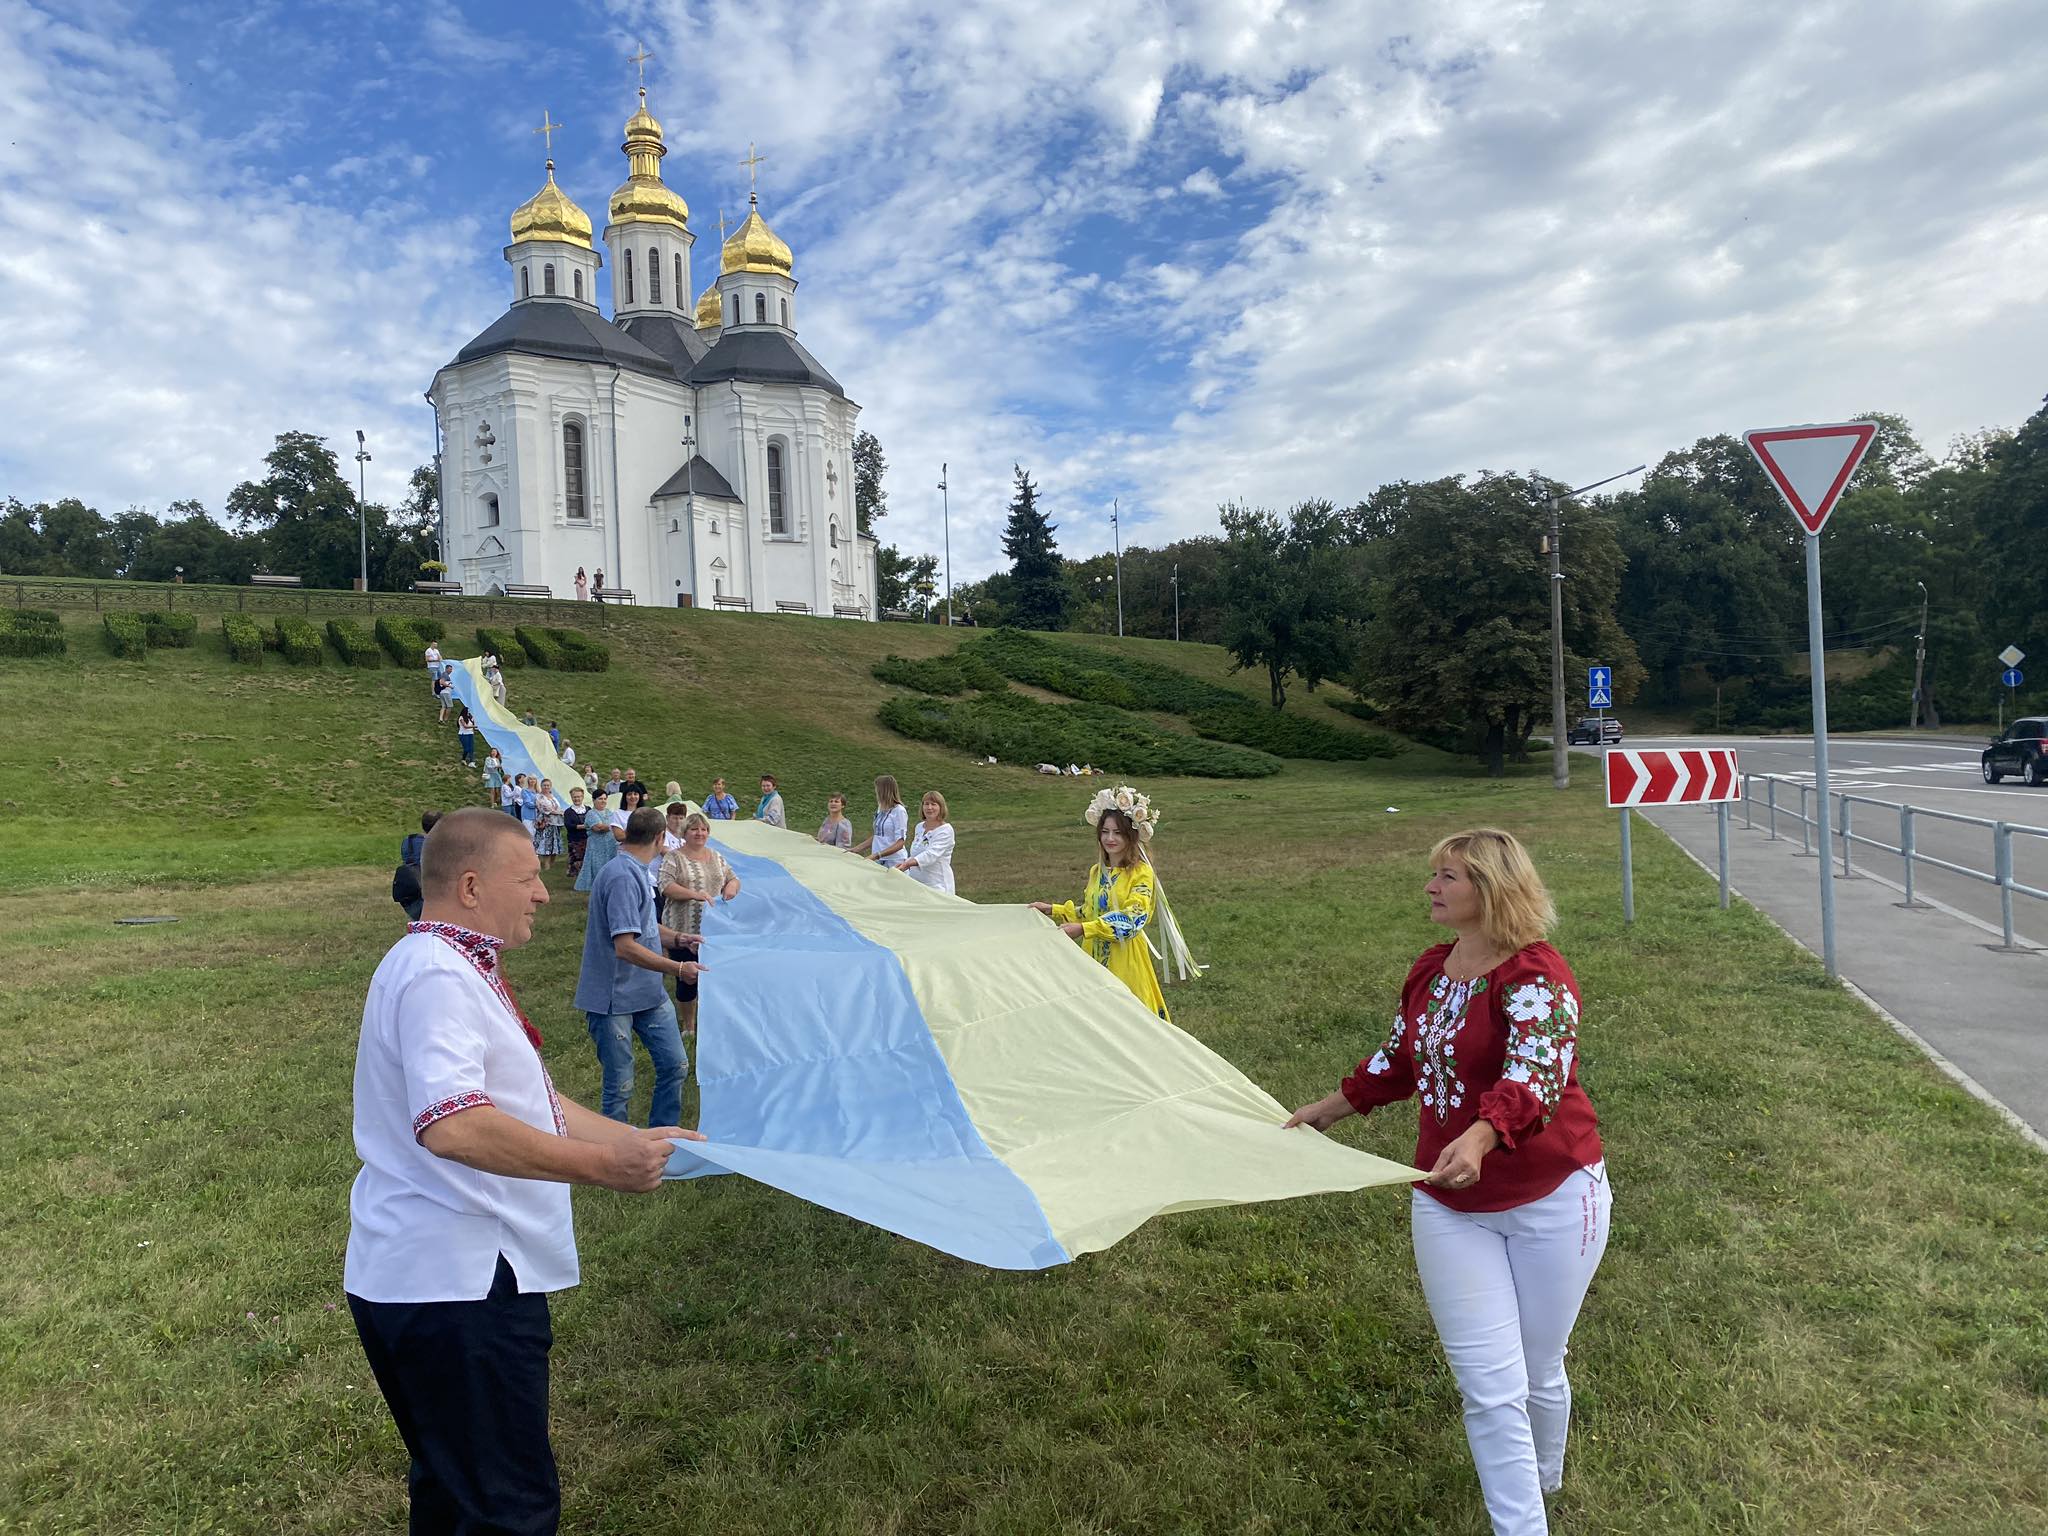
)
(1114, 912)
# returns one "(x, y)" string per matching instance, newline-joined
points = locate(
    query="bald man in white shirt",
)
(459, 1223)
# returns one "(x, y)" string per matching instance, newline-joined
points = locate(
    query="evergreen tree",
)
(1038, 582)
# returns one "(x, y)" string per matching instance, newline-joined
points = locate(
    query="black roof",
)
(561, 328)
(761, 357)
(696, 478)
(673, 337)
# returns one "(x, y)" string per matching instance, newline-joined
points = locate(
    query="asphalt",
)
(1937, 968)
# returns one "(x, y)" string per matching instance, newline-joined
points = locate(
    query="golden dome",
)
(550, 215)
(642, 198)
(710, 311)
(754, 247)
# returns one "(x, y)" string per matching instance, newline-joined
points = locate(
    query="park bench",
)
(274, 581)
(898, 616)
(612, 594)
(526, 589)
(786, 605)
(438, 588)
(844, 611)
(739, 604)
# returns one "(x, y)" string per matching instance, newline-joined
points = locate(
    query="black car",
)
(1592, 731)
(2021, 751)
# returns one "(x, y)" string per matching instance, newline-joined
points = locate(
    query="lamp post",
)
(1560, 755)
(362, 515)
(1117, 541)
(1919, 659)
(946, 520)
(1176, 601)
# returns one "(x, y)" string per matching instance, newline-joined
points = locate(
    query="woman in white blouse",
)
(931, 846)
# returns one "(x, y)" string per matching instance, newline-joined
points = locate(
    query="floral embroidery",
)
(445, 1108)
(1436, 1044)
(1382, 1062)
(1541, 1038)
(481, 951)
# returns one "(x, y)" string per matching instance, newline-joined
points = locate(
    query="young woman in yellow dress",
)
(1122, 919)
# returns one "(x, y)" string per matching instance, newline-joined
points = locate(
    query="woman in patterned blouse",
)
(1512, 1220)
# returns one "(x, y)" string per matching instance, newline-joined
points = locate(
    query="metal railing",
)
(1843, 827)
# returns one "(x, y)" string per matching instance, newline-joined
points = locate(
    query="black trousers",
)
(467, 1382)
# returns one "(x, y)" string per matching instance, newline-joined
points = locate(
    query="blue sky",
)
(1173, 253)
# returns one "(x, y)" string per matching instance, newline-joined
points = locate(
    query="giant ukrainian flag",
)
(962, 1074)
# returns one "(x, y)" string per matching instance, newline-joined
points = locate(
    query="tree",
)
(304, 511)
(870, 500)
(903, 582)
(193, 541)
(1291, 600)
(1038, 585)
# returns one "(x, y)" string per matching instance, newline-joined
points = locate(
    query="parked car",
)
(1592, 731)
(2022, 750)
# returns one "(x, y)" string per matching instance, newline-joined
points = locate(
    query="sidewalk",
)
(1939, 975)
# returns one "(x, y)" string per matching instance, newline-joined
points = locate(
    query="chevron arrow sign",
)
(1672, 776)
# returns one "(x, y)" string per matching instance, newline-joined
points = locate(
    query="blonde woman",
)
(892, 825)
(931, 848)
(688, 880)
(1512, 1220)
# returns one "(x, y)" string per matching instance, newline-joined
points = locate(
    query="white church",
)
(693, 454)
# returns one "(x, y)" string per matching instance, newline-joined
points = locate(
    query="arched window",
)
(629, 276)
(735, 320)
(489, 517)
(776, 521)
(682, 291)
(572, 472)
(835, 533)
(547, 278)
(526, 282)
(576, 279)
(761, 309)
(785, 314)
(653, 275)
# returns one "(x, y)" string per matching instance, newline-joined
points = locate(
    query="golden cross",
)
(548, 130)
(721, 226)
(751, 163)
(640, 60)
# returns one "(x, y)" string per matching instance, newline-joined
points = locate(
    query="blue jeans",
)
(612, 1034)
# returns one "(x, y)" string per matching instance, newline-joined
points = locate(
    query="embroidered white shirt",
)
(437, 1038)
(932, 848)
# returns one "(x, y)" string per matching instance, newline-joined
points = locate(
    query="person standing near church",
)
(582, 586)
(625, 957)
(597, 587)
(770, 807)
(433, 659)
(460, 1222)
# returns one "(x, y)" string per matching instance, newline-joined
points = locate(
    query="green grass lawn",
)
(1821, 1311)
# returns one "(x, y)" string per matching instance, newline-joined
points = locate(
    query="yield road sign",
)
(1600, 687)
(2012, 655)
(1671, 776)
(2013, 677)
(1810, 465)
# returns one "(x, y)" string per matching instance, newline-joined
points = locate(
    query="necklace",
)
(1464, 963)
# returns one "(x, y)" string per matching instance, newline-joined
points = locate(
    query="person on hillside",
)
(460, 1221)
(603, 826)
(529, 802)
(494, 774)
(555, 740)
(1512, 1220)
(672, 793)
(432, 657)
(405, 880)
(1123, 902)
(412, 847)
(611, 784)
(672, 833)
(465, 732)
(548, 827)
(582, 586)
(575, 835)
(494, 676)
(719, 805)
(769, 808)
(625, 955)
(590, 783)
(930, 861)
(632, 795)
(688, 879)
(527, 719)
(630, 779)
(892, 825)
(836, 831)
(597, 586)
(508, 797)
(444, 695)
(567, 752)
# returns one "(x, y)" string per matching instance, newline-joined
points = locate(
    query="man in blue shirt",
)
(619, 988)
(718, 805)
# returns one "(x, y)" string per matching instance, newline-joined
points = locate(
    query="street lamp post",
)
(1117, 540)
(946, 519)
(1176, 601)
(1560, 755)
(362, 515)
(1919, 660)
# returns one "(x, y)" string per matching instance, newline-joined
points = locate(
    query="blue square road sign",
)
(1600, 687)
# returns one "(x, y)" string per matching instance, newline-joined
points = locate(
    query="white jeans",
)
(1504, 1288)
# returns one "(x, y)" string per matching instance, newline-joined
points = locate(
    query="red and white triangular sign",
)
(1810, 465)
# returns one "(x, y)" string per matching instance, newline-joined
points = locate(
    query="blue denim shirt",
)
(621, 901)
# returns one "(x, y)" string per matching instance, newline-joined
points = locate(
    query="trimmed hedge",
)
(506, 648)
(125, 635)
(1017, 729)
(244, 637)
(403, 640)
(580, 653)
(962, 672)
(298, 641)
(1285, 735)
(30, 632)
(429, 629)
(540, 645)
(354, 643)
(169, 629)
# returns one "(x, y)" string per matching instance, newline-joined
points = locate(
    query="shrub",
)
(962, 672)
(505, 647)
(125, 635)
(580, 653)
(172, 629)
(298, 641)
(428, 629)
(244, 637)
(1357, 708)
(355, 644)
(402, 640)
(1018, 729)
(1286, 735)
(30, 632)
(540, 645)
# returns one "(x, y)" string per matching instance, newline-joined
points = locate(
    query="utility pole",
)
(1919, 660)
(946, 516)
(362, 515)
(1560, 754)
(1176, 602)
(1117, 539)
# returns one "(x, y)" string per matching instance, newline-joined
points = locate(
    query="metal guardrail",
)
(1843, 826)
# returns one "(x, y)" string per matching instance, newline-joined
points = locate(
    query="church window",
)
(526, 282)
(735, 310)
(682, 289)
(761, 308)
(785, 314)
(572, 472)
(653, 275)
(547, 278)
(835, 533)
(629, 276)
(577, 276)
(777, 523)
(490, 512)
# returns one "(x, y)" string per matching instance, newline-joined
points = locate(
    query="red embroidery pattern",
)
(445, 1108)
(481, 951)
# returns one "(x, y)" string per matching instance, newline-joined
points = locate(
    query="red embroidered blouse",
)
(1502, 1048)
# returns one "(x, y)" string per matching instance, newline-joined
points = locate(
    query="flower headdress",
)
(1130, 802)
